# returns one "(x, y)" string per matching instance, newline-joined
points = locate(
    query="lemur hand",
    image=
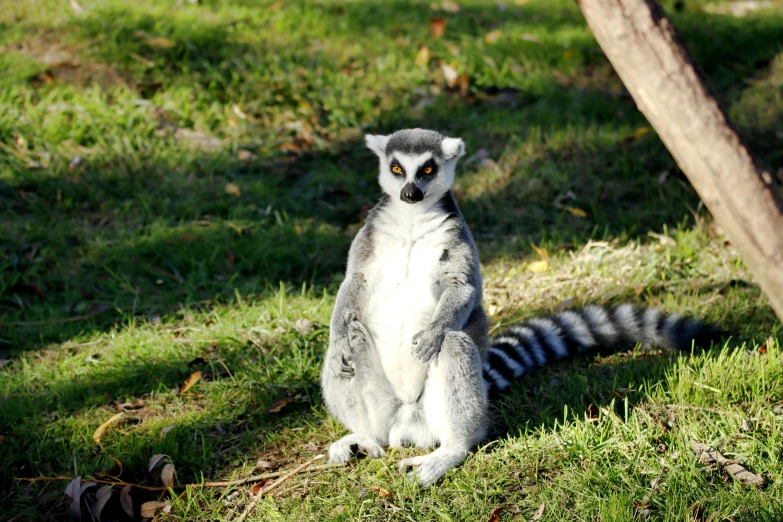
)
(357, 341)
(427, 343)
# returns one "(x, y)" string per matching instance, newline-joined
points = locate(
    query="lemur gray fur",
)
(409, 360)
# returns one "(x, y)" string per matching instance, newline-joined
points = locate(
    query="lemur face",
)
(416, 164)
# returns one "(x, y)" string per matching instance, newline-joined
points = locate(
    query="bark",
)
(643, 47)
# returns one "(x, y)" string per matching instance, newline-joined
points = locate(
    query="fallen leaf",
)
(449, 6)
(279, 405)
(382, 492)
(538, 266)
(257, 487)
(165, 430)
(577, 211)
(150, 509)
(493, 36)
(592, 413)
(277, 5)
(464, 84)
(190, 381)
(709, 455)
(540, 512)
(265, 465)
(423, 57)
(311, 447)
(73, 491)
(160, 42)
(495, 515)
(245, 155)
(197, 140)
(763, 347)
(126, 501)
(437, 27)
(449, 74)
(78, 9)
(138, 403)
(542, 253)
(531, 38)
(102, 496)
(155, 460)
(167, 475)
(96, 436)
(233, 190)
(304, 326)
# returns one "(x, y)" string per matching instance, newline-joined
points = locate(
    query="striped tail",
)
(539, 341)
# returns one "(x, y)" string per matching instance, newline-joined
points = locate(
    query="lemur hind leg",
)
(364, 402)
(455, 406)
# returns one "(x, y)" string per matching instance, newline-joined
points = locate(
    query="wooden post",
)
(644, 49)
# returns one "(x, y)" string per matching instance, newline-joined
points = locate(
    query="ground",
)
(180, 182)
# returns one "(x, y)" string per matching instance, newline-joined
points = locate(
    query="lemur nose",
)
(411, 193)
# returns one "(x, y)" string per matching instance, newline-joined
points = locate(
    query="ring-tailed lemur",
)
(409, 361)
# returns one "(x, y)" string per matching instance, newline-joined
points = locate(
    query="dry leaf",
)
(542, 253)
(382, 492)
(279, 405)
(126, 501)
(149, 509)
(464, 84)
(165, 430)
(577, 211)
(449, 74)
(437, 27)
(277, 5)
(73, 491)
(592, 413)
(155, 460)
(159, 42)
(198, 140)
(540, 512)
(78, 9)
(423, 57)
(538, 266)
(709, 455)
(495, 515)
(265, 465)
(449, 6)
(233, 190)
(190, 381)
(531, 38)
(167, 475)
(96, 436)
(493, 36)
(245, 155)
(101, 498)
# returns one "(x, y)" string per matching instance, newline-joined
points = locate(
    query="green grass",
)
(129, 259)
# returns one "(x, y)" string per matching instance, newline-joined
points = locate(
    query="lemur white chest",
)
(404, 278)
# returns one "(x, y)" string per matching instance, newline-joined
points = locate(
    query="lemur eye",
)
(396, 169)
(428, 170)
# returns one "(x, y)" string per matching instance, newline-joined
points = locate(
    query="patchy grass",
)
(179, 184)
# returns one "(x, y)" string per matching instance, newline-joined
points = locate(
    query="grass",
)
(179, 184)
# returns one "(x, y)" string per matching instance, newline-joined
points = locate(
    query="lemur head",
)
(416, 164)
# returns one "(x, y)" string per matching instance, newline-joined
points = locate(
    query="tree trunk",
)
(644, 49)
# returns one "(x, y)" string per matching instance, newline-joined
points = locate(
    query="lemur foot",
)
(342, 450)
(427, 469)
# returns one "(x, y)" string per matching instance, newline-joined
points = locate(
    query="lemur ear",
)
(377, 144)
(453, 148)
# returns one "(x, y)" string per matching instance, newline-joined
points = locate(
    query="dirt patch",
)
(65, 65)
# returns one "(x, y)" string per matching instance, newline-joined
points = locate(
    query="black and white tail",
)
(536, 342)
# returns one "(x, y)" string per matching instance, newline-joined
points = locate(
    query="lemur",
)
(409, 359)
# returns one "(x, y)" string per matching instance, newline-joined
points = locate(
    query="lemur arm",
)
(347, 310)
(456, 302)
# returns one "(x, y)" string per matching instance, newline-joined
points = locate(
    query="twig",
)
(224, 484)
(274, 485)
(264, 476)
